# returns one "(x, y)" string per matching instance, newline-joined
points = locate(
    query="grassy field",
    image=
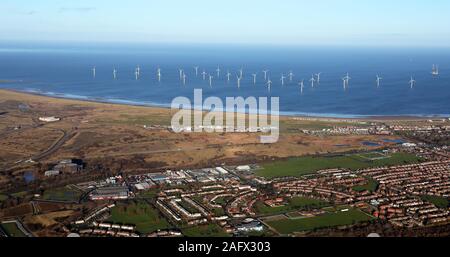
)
(439, 201)
(288, 226)
(62, 194)
(3, 197)
(12, 230)
(296, 167)
(371, 186)
(295, 203)
(144, 216)
(210, 230)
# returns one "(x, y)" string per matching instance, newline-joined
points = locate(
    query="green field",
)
(439, 201)
(62, 194)
(296, 167)
(296, 203)
(210, 230)
(288, 226)
(12, 230)
(371, 186)
(142, 215)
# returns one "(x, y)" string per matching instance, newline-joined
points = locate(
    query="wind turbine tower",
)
(254, 78)
(291, 76)
(196, 71)
(218, 71)
(412, 82)
(312, 80)
(282, 79)
(265, 74)
(210, 81)
(269, 84)
(204, 74)
(378, 80)
(318, 77)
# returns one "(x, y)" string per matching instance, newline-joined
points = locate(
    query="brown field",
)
(17, 211)
(47, 220)
(113, 135)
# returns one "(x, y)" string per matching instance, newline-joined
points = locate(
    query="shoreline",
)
(321, 117)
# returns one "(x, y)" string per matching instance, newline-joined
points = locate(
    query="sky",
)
(290, 22)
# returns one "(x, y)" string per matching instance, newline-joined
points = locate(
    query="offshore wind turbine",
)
(378, 81)
(301, 84)
(254, 78)
(210, 80)
(204, 74)
(228, 76)
(196, 70)
(238, 81)
(138, 70)
(412, 82)
(282, 79)
(218, 71)
(180, 71)
(346, 80)
(114, 73)
(312, 80)
(93, 72)
(136, 74)
(269, 84)
(184, 78)
(435, 70)
(241, 72)
(158, 74)
(265, 74)
(291, 76)
(318, 77)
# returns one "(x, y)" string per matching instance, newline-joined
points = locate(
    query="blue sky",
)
(293, 22)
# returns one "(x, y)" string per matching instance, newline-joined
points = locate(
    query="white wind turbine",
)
(282, 79)
(204, 74)
(184, 78)
(228, 76)
(312, 80)
(291, 76)
(158, 74)
(180, 71)
(210, 80)
(301, 84)
(346, 80)
(265, 74)
(378, 81)
(241, 72)
(196, 70)
(238, 81)
(114, 73)
(318, 77)
(218, 71)
(254, 78)
(269, 84)
(412, 82)
(93, 72)
(138, 70)
(136, 74)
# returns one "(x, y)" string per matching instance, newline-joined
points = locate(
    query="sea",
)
(65, 70)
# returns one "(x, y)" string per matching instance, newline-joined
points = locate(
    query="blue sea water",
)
(65, 70)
